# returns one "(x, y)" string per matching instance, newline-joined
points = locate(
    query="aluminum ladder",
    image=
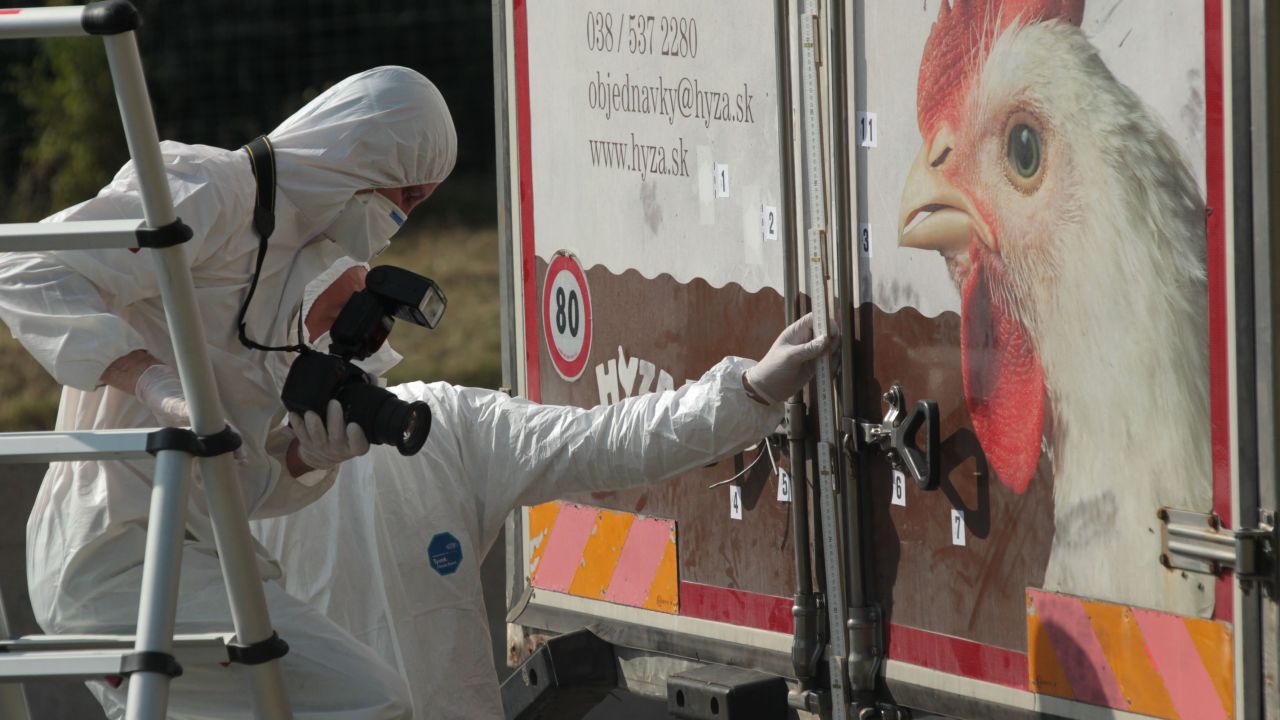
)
(153, 657)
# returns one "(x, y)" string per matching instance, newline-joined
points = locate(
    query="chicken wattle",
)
(1003, 379)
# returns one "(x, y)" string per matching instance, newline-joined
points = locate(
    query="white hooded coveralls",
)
(78, 311)
(362, 552)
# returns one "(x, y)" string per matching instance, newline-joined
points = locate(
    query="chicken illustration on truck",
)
(1074, 231)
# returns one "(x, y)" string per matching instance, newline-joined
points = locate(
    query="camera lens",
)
(406, 424)
(385, 418)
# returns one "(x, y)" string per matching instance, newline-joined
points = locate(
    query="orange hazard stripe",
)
(1126, 658)
(1047, 675)
(601, 555)
(609, 555)
(1213, 643)
(664, 593)
(541, 518)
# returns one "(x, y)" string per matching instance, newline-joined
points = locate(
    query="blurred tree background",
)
(221, 73)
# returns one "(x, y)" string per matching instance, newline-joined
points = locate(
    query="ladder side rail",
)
(226, 504)
(13, 696)
(161, 567)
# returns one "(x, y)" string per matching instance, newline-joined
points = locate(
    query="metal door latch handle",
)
(896, 437)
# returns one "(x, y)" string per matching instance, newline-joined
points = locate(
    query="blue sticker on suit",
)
(445, 553)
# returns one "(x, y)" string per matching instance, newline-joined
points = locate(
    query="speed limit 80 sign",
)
(566, 315)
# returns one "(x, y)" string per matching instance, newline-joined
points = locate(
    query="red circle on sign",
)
(569, 369)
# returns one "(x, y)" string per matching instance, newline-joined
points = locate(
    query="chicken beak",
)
(935, 214)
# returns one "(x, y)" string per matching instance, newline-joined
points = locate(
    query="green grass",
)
(464, 350)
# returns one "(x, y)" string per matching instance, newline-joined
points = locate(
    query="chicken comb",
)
(959, 43)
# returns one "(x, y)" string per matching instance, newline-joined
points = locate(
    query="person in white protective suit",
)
(94, 320)
(362, 552)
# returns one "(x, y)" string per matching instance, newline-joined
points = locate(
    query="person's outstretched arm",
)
(517, 452)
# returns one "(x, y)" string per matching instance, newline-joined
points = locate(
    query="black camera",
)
(361, 328)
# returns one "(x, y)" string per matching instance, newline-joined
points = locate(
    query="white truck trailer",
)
(1046, 231)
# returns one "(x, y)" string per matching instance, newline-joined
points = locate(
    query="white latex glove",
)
(160, 389)
(788, 365)
(324, 444)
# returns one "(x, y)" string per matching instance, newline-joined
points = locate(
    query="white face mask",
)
(376, 364)
(364, 226)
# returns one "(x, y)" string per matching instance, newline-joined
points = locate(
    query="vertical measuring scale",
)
(816, 279)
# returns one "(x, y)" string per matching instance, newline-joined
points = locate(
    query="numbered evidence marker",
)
(864, 240)
(784, 486)
(735, 502)
(867, 129)
(769, 222)
(957, 527)
(899, 496)
(566, 315)
(721, 180)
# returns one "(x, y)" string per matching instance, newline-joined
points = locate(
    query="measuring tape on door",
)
(816, 279)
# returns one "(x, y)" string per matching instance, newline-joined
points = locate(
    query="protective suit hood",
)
(383, 128)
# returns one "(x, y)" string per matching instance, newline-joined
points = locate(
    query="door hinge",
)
(1197, 542)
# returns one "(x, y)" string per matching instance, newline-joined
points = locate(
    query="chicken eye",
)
(1024, 151)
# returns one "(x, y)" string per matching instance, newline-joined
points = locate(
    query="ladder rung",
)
(108, 642)
(79, 235)
(84, 664)
(107, 17)
(96, 656)
(42, 22)
(43, 447)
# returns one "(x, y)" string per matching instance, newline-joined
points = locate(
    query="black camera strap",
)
(263, 161)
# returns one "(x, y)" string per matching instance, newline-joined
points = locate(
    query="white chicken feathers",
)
(1106, 270)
